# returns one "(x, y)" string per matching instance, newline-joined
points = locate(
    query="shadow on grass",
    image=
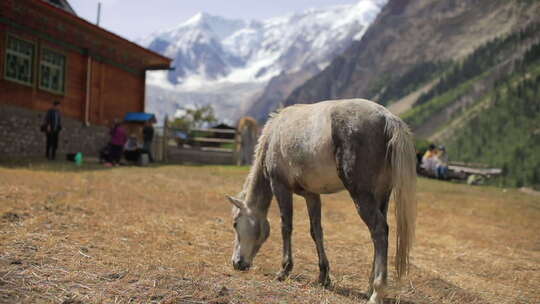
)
(58, 165)
(355, 294)
(89, 164)
(351, 293)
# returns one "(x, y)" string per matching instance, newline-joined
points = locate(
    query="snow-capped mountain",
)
(214, 55)
(198, 49)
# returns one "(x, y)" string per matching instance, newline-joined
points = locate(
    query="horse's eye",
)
(234, 225)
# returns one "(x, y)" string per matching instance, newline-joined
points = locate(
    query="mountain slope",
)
(410, 32)
(475, 91)
(277, 90)
(467, 82)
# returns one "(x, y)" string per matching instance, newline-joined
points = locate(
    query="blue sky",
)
(133, 19)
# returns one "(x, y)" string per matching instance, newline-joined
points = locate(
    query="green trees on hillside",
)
(507, 134)
(388, 88)
(411, 80)
(481, 60)
(532, 55)
(459, 80)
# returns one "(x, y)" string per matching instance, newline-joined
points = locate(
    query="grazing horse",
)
(323, 148)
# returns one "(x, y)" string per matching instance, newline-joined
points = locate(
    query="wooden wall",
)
(114, 91)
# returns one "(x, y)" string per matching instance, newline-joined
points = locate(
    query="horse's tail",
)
(403, 162)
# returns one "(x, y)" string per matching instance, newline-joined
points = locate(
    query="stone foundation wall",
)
(20, 134)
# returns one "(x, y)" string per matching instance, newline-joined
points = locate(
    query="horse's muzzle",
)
(241, 265)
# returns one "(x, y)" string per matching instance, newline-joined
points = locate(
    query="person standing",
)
(116, 145)
(148, 136)
(52, 125)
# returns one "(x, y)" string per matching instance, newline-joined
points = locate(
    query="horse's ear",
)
(238, 203)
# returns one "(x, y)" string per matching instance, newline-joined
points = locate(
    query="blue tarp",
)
(139, 117)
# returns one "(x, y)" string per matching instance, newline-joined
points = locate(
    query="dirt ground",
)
(163, 234)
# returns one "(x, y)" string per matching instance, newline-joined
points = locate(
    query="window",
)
(19, 60)
(52, 71)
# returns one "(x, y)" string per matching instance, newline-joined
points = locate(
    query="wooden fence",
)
(207, 146)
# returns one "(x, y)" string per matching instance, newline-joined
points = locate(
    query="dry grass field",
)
(162, 234)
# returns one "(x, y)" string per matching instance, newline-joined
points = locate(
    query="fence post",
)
(237, 146)
(155, 147)
(165, 139)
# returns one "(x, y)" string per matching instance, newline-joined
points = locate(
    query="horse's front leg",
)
(284, 198)
(314, 209)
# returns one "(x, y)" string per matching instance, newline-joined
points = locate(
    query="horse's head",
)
(252, 230)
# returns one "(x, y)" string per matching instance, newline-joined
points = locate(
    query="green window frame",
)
(52, 71)
(19, 61)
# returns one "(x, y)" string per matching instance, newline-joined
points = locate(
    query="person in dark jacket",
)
(52, 125)
(148, 136)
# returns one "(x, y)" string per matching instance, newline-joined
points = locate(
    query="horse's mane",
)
(258, 166)
(260, 152)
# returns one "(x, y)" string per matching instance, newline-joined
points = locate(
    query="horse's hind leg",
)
(372, 211)
(284, 198)
(361, 163)
(383, 207)
(367, 208)
(314, 209)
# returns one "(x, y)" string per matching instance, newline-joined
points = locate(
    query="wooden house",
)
(48, 53)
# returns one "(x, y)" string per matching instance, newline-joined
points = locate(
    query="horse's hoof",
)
(369, 293)
(326, 282)
(281, 276)
(375, 299)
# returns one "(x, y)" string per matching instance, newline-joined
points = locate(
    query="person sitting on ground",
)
(441, 167)
(418, 160)
(104, 154)
(131, 149)
(429, 162)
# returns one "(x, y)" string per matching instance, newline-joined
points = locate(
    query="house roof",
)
(223, 126)
(63, 4)
(152, 60)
